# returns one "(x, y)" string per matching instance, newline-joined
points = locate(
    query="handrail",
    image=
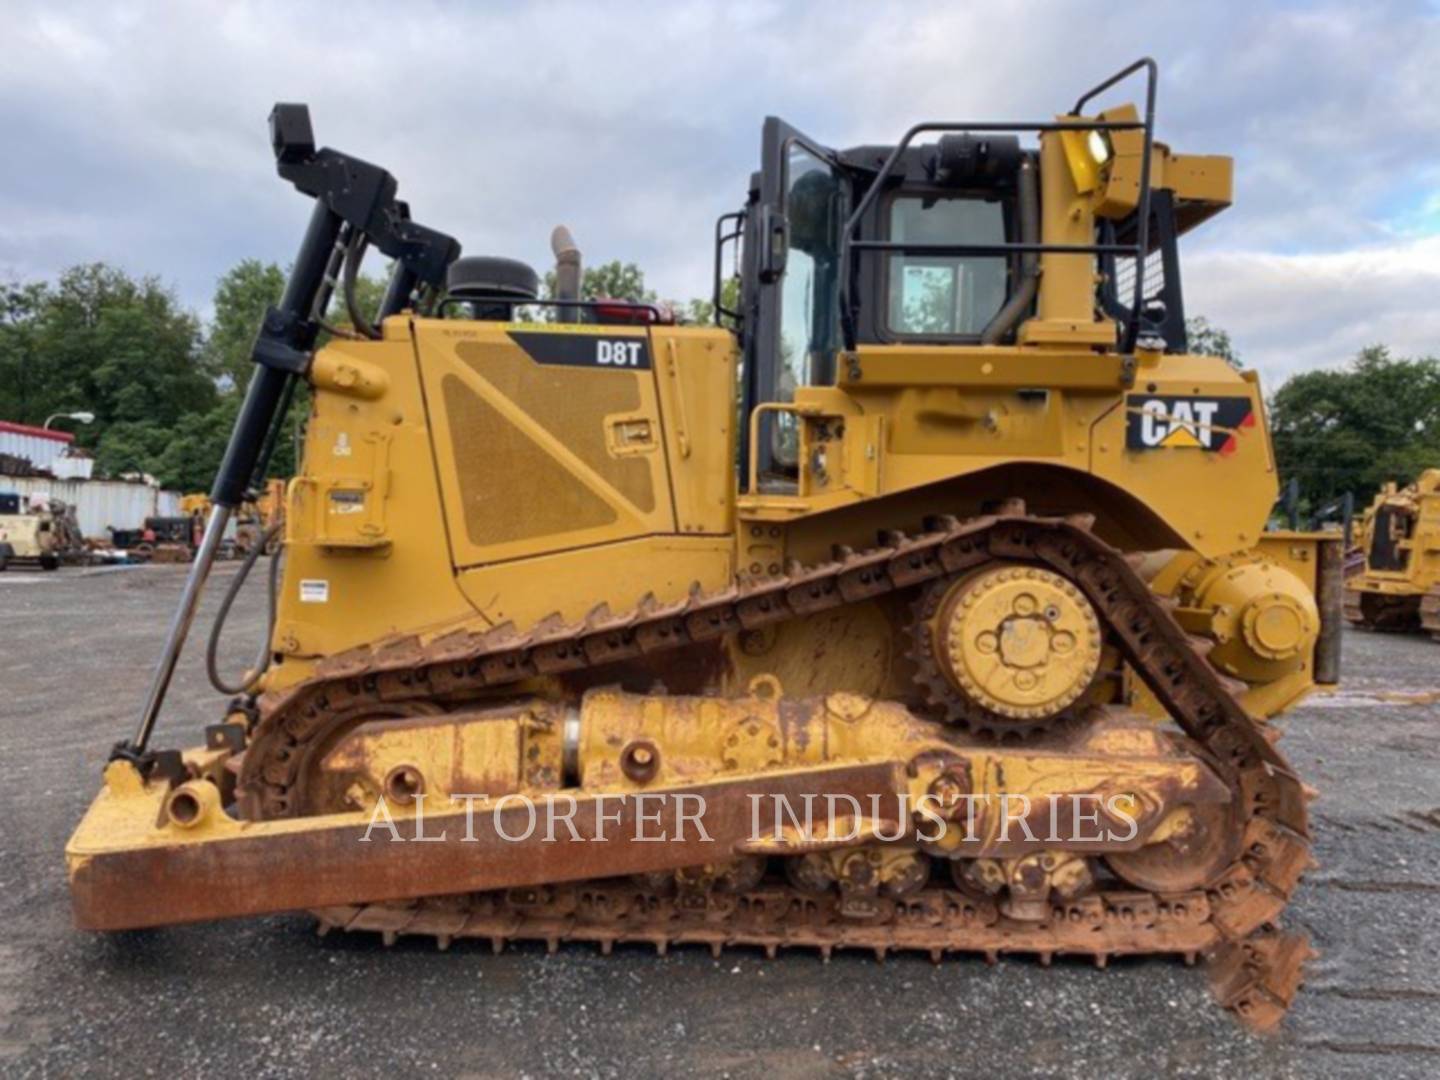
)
(1142, 221)
(851, 246)
(1115, 80)
(721, 238)
(752, 438)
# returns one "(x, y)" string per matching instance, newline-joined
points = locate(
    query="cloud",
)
(1292, 312)
(136, 133)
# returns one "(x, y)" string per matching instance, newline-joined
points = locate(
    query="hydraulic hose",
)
(353, 257)
(262, 661)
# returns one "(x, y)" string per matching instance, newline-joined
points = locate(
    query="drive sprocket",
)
(1007, 650)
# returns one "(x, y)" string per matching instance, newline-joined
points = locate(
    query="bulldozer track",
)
(1256, 967)
(1256, 978)
(1430, 612)
(1399, 613)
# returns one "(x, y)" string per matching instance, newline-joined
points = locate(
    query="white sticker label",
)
(347, 502)
(314, 591)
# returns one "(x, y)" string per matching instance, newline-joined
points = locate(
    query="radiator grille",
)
(511, 489)
(572, 405)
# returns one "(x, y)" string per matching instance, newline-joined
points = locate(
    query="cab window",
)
(809, 300)
(945, 295)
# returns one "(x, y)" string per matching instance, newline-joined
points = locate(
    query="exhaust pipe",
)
(567, 272)
(1009, 316)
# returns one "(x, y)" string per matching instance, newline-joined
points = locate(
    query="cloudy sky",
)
(135, 133)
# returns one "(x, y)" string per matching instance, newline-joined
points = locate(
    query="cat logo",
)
(1186, 423)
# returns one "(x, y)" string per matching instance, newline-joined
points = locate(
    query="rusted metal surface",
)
(776, 916)
(1194, 854)
(1330, 598)
(267, 868)
(1256, 978)
(1398, 613)
(1243, 900)
(797, 763)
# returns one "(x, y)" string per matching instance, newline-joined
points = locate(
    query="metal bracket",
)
(225, 737)
(359, 193)
(167, 765)
(278, 344)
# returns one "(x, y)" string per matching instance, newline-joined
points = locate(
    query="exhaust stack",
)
(568, 272)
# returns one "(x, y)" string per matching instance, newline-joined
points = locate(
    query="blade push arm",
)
(355, 203)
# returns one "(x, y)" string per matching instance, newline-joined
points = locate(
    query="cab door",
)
(795, 281)
(546, 439)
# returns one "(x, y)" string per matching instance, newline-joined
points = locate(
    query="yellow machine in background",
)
(1399, 588)
(980, 527)
(196, 502)
(253, 519)
(270, 504)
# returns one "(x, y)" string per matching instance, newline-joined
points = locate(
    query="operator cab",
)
(928, 243)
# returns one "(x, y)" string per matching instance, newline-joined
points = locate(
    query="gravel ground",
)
(266, 996)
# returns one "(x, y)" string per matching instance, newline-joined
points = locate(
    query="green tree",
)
(1208, 340)
(22, 376)
(129, 447)
(701, 312)
(192, 451)
(608, 281)
(241, 297)
(165, 394)
(123, 349)
(615, 280)
(189, 457)
(1352, 429)
(110, 344)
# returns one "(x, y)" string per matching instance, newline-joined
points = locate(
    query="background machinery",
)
(1399, 588)
(39, 531)
(979, 529)
(176, 539)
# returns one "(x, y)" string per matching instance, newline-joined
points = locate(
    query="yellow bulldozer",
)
(920, 603)
(1399, 588)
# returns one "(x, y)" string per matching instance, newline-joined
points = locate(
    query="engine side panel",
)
(544, 439)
